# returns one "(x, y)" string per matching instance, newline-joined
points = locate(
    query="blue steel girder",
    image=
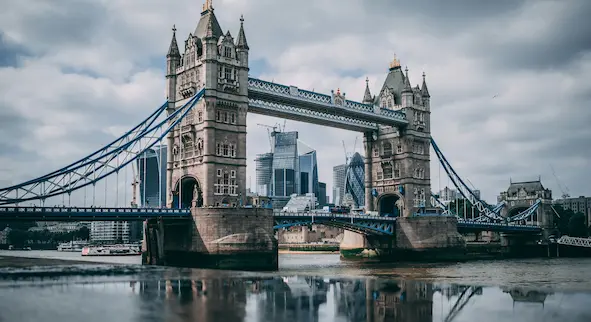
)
(362, 224)
(89, 213)
(292, 96)
(467, 225)
(104, 162)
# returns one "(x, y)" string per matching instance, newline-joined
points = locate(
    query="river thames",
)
(307, 287)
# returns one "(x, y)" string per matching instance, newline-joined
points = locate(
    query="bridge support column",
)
(356, 246)
(428, 238)
(368, 141)
(522, 245)
(225, 238)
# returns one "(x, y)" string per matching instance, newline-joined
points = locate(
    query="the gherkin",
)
(355, 180)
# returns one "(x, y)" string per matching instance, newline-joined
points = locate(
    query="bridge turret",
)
(407, 93)
(367, 99)
(425, 94)
(242, 56)
(173, 60)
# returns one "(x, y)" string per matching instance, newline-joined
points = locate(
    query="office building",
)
(109, 232)
(578, 205)
(285, 168)
(322, 197)
(338, 183)
(264, 173)
(308, 170)
(355, 180)
(152, 177)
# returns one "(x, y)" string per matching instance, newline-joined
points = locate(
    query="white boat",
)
(73, 246)
(112, 250)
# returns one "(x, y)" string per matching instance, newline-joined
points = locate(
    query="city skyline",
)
(495, 102)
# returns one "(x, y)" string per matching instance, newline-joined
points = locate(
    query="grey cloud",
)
(64, 22)
(567, 40)
(443, 36)
(10, 52)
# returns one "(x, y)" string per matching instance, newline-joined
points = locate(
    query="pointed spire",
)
(208, 5)
(173, 50)
(407, 87)
(367, 95)
(424, 90)
(241, 41)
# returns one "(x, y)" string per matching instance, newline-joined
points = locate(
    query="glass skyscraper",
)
(355, 180)
(308, 174)
(264, 173)
(339, 173)
(152, 177)
(285, 164)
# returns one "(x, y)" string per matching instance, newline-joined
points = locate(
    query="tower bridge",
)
(203, 124)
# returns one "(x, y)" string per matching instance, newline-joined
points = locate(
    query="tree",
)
(563, 221)
(18, 237)
(83, 233)
(576, 226)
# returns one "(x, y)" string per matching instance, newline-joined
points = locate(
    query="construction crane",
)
(135, 181)
(348, 156)
(272, 133)
(563, 188)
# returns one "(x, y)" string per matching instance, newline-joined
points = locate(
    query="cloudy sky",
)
(509, 80)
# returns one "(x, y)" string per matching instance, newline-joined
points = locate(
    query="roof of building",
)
(208, 22)
(303, 148)
(394, 82)
(356, 160)
(528, 186)
(241, 41)
(299, 203)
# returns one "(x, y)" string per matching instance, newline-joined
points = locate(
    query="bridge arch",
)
(512, 211)
(365, 225)
(187, 193)
(390, 204)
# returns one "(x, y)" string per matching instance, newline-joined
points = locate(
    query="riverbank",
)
(18, 262)
(310, 252)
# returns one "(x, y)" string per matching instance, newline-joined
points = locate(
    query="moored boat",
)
(112, 250)
(73, 246)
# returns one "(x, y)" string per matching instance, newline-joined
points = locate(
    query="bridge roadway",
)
(364, 224)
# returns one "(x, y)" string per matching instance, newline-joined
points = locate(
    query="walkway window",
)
(396, 170)
(387, 148)
(399, 148)
(387, 169)
(227, 52)
(228, 73)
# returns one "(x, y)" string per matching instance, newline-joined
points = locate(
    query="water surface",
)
(306, 288)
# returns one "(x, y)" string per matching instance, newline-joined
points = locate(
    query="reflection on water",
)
(198, 295)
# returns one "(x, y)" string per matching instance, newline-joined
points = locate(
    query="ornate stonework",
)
(399, 158)
(208, 149)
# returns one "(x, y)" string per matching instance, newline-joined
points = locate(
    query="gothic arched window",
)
(200, 147)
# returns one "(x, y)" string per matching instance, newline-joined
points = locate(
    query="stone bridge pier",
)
(215, 237)
(415, 238)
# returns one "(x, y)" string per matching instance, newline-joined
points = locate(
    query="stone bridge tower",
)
(206, 163)
(521, 195)
(397, 160)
